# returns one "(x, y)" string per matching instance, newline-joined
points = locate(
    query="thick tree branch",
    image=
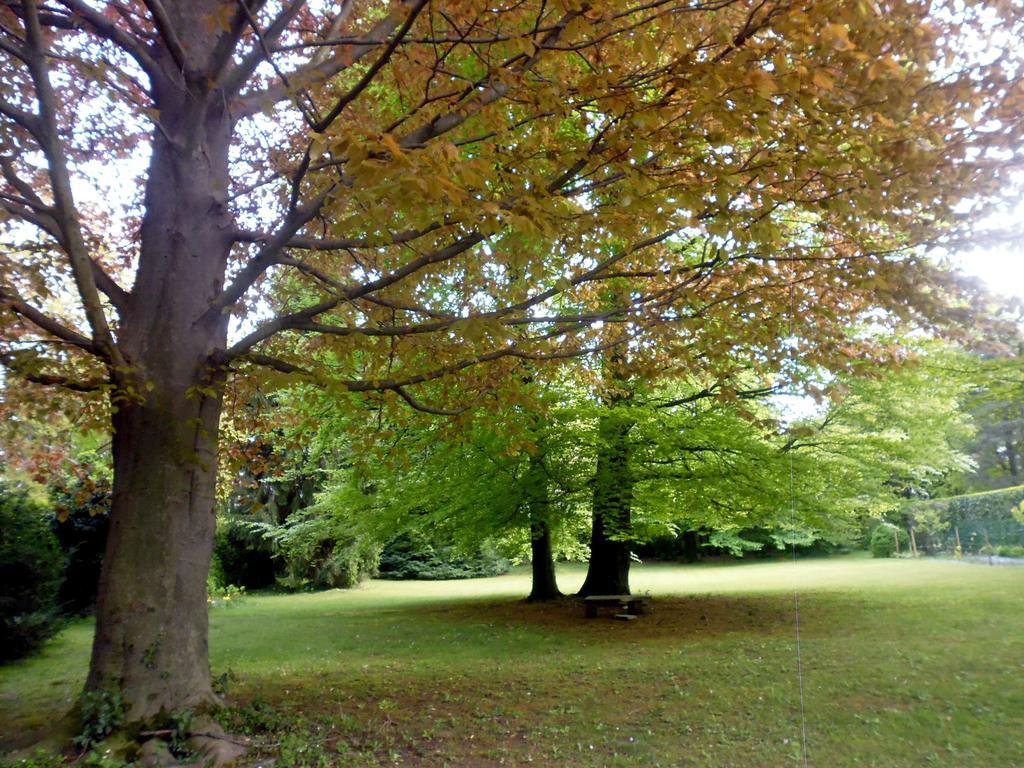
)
(82, 266)
(227, 45)
(262, 53)
(268, 254)
(317, 71)
(288, 368)
(106, 28)
(33, 210)
(16, 366)
(295, 319)
(168, 35)
(714, 391)
(22, 209)
(20, 117)
(482, 93)
(376, 67)
(44, 322)
(344, 244)
(420, 406)
(380, 385)
(302, 320)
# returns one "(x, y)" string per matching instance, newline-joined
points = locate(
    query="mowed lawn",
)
(906, 663)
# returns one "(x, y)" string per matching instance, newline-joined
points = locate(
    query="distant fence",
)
(977, 522)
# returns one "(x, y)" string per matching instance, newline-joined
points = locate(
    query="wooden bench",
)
(633, 604)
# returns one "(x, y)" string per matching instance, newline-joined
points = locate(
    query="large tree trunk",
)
(151, 614)
(544, 586)
(608, 571)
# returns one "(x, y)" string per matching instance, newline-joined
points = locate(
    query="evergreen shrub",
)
(31, 569)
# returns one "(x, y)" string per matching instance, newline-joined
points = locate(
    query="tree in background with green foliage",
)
(705, 457)
(392, 203)
(997, 406)
(80, 499)
(502, 479)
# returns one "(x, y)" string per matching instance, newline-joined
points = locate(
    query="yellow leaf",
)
(391, 145)
(838, 36)
(317, 147)
(823, 79)
(761, 82)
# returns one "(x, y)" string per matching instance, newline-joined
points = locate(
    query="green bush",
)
(883, 540)
(411, 557)
(328, 563)
(100, 714)
(81, 519)
(242, 557)
(31, 568)
(218, 595)
(1010, 550)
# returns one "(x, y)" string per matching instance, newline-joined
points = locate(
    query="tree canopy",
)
(415, 197)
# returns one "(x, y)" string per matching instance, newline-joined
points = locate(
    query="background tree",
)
(511, 479)
(997, 407)
(407, 189)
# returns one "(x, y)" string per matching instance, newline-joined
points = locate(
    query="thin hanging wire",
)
(792, 522)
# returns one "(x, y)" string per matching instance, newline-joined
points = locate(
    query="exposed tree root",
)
(207, 744)
(214, 747)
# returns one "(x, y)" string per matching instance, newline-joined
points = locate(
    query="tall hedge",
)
(974, 515)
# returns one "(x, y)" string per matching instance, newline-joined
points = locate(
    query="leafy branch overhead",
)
(426, 200)
(448, 186)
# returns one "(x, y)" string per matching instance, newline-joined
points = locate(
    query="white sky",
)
(999, 264)
(1001, 268)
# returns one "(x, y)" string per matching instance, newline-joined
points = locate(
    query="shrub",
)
(242, 557)
(31, 565)
(883, 540)
(100, 714)
(411, 557)
(328, 563)
(81, 519)
(221, 595)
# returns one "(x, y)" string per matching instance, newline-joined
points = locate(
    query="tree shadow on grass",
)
(664, 618)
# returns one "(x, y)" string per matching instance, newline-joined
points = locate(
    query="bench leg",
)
(591, 610)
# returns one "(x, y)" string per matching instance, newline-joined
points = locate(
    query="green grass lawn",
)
(906, 663)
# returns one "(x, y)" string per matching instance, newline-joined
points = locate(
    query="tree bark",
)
(1011, 458)
(691, 546)
(151, 615)
(545, 585)
(150, 644)
(608, 570)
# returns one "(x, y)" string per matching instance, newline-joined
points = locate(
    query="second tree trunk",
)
(545, 586)
(608, 572)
